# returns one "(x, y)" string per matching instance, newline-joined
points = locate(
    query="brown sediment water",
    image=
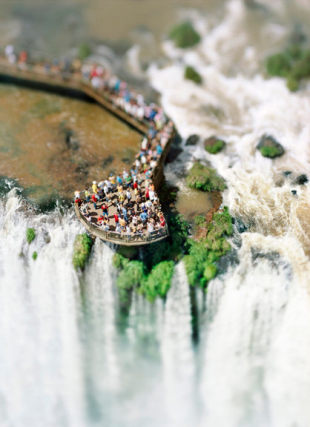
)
(51, 143)
(191, 203)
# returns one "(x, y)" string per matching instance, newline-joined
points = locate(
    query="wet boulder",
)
(301, 179)
(214, 145)
(270, 147)
(192, 140)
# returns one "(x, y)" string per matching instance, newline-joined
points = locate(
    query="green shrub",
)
(292, 84)
(191, 74)
(184, 35)
(210, 271)
(30, 234)
(34, 255)
(202, 254)
(158, 282)
(119, 261)
(214, 145)
(131, 276)
(200, 220)
(81, 250)
(204, 178)
(84, 51)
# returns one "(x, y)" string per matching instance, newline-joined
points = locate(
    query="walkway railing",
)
(36, 74)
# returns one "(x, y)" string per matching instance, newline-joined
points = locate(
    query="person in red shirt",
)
(116, 218)
(147, 194)
(95, 200)
(104, 208)
(135, 185)
(100, 219)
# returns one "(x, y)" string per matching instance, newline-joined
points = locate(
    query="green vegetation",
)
(214, 145)
(269, 147)
(184, 35)
(191, 74)
(34, 255)
(293, 64)
(84, 51)
(81, 250)
(30, 235)
(204, 178)
(152, 276)
(203, 254)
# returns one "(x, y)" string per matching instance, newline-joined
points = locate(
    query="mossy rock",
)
(184, 35)
(293, 64)
(191, 74)
(34, 255)
(192, 140)
(81, 250)
(214, 145)
(204, 178)
(270, 147)
(30, 234)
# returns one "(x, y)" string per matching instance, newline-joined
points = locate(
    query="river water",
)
(70, 356)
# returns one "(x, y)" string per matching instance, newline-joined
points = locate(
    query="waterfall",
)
(177, 351)
(257, 335)
(40, 369)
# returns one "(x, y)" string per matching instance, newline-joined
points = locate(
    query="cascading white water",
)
(177, 351)
(40, 363)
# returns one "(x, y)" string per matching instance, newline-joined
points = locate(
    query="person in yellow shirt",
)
(94, 187)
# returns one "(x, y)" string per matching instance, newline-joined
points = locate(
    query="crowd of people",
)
(125, 204)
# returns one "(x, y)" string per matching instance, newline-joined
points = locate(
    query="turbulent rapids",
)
(237, 355)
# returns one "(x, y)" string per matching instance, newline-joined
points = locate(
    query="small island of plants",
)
(293, 64)
(204, 178)
(184, 35)
(214, 145)
(191, 74)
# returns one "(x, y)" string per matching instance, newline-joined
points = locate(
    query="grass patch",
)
(81, 251)
(184, 35)
(30, 235)
(204, 178)
(191, 74)
(34, 255)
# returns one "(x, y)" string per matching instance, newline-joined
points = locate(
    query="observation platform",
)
(149, 120)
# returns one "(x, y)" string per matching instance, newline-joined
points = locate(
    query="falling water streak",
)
(39, 308)
(177, 350)
(101, 304)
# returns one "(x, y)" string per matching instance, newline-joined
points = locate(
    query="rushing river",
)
(70, 355)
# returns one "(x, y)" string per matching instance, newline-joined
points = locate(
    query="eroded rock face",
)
(270, 147)
(214, 145)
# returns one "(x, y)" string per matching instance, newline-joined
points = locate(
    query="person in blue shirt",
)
(143, 217)
(159, 149)
(119, 180)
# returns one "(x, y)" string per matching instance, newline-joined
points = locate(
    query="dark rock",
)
(274, 259)
(192, 140)
(287, 173)
(270, 147)
(214, 145)
(301, 179)
(239, 224)
(294, 192)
